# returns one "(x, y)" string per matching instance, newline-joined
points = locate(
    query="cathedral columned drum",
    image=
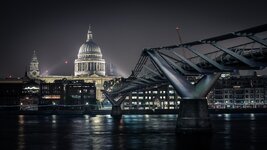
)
(90, 61)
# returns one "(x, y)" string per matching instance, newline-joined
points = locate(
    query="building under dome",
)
(89, 66)
(90, 59)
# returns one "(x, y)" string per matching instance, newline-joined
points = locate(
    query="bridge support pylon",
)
(193, 117)
(193, 114)
(116, 111)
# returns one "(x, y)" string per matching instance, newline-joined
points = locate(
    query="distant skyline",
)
(122, 29)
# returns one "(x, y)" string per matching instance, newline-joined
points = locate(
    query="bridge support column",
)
(193, 117)
(116, 111)
(193, 114)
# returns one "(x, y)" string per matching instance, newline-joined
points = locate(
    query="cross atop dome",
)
(89, 34)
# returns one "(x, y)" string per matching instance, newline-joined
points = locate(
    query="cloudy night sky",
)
(122, 29)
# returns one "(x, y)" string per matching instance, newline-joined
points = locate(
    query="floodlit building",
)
(19, 94)
(89, 66)
(68, 93)
(158, 97)
(230, 92)
(10, 93)
(239, 92)
(34, 71)
(29, 98)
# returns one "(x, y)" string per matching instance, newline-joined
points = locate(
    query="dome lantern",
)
(89, 34)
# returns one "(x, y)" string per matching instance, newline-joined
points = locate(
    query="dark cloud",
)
(56, 29)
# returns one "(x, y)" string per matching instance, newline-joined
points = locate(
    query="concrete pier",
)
(193, 117)
(116, 111)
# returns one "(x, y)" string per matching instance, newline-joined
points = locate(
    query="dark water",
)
(236, 131)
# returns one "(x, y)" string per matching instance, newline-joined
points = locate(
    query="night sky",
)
(56, 30)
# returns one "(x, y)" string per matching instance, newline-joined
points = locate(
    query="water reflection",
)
(231, 131)
(252, 116)
(21, 119)
(54, 119)
(227, 117)
(21, 140)
(187, 142)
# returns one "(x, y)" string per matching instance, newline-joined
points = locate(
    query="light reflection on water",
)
(231, 131)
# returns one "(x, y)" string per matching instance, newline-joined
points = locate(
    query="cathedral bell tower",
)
(34, 67)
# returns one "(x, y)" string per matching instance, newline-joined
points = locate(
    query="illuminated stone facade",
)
(98, 80)
(89, 66)
(34, 67)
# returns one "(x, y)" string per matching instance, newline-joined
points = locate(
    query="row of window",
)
(154, 92)
(146, 108)
(238, 101)
(91, 66)
(240, 91)
(151, 103)
(237, 96)
(149, 97)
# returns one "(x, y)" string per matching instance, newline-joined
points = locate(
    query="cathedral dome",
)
(89, 49)
(90, 61)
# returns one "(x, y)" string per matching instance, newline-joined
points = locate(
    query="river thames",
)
(230, 131)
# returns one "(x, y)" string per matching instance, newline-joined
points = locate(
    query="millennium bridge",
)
(206, 59)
